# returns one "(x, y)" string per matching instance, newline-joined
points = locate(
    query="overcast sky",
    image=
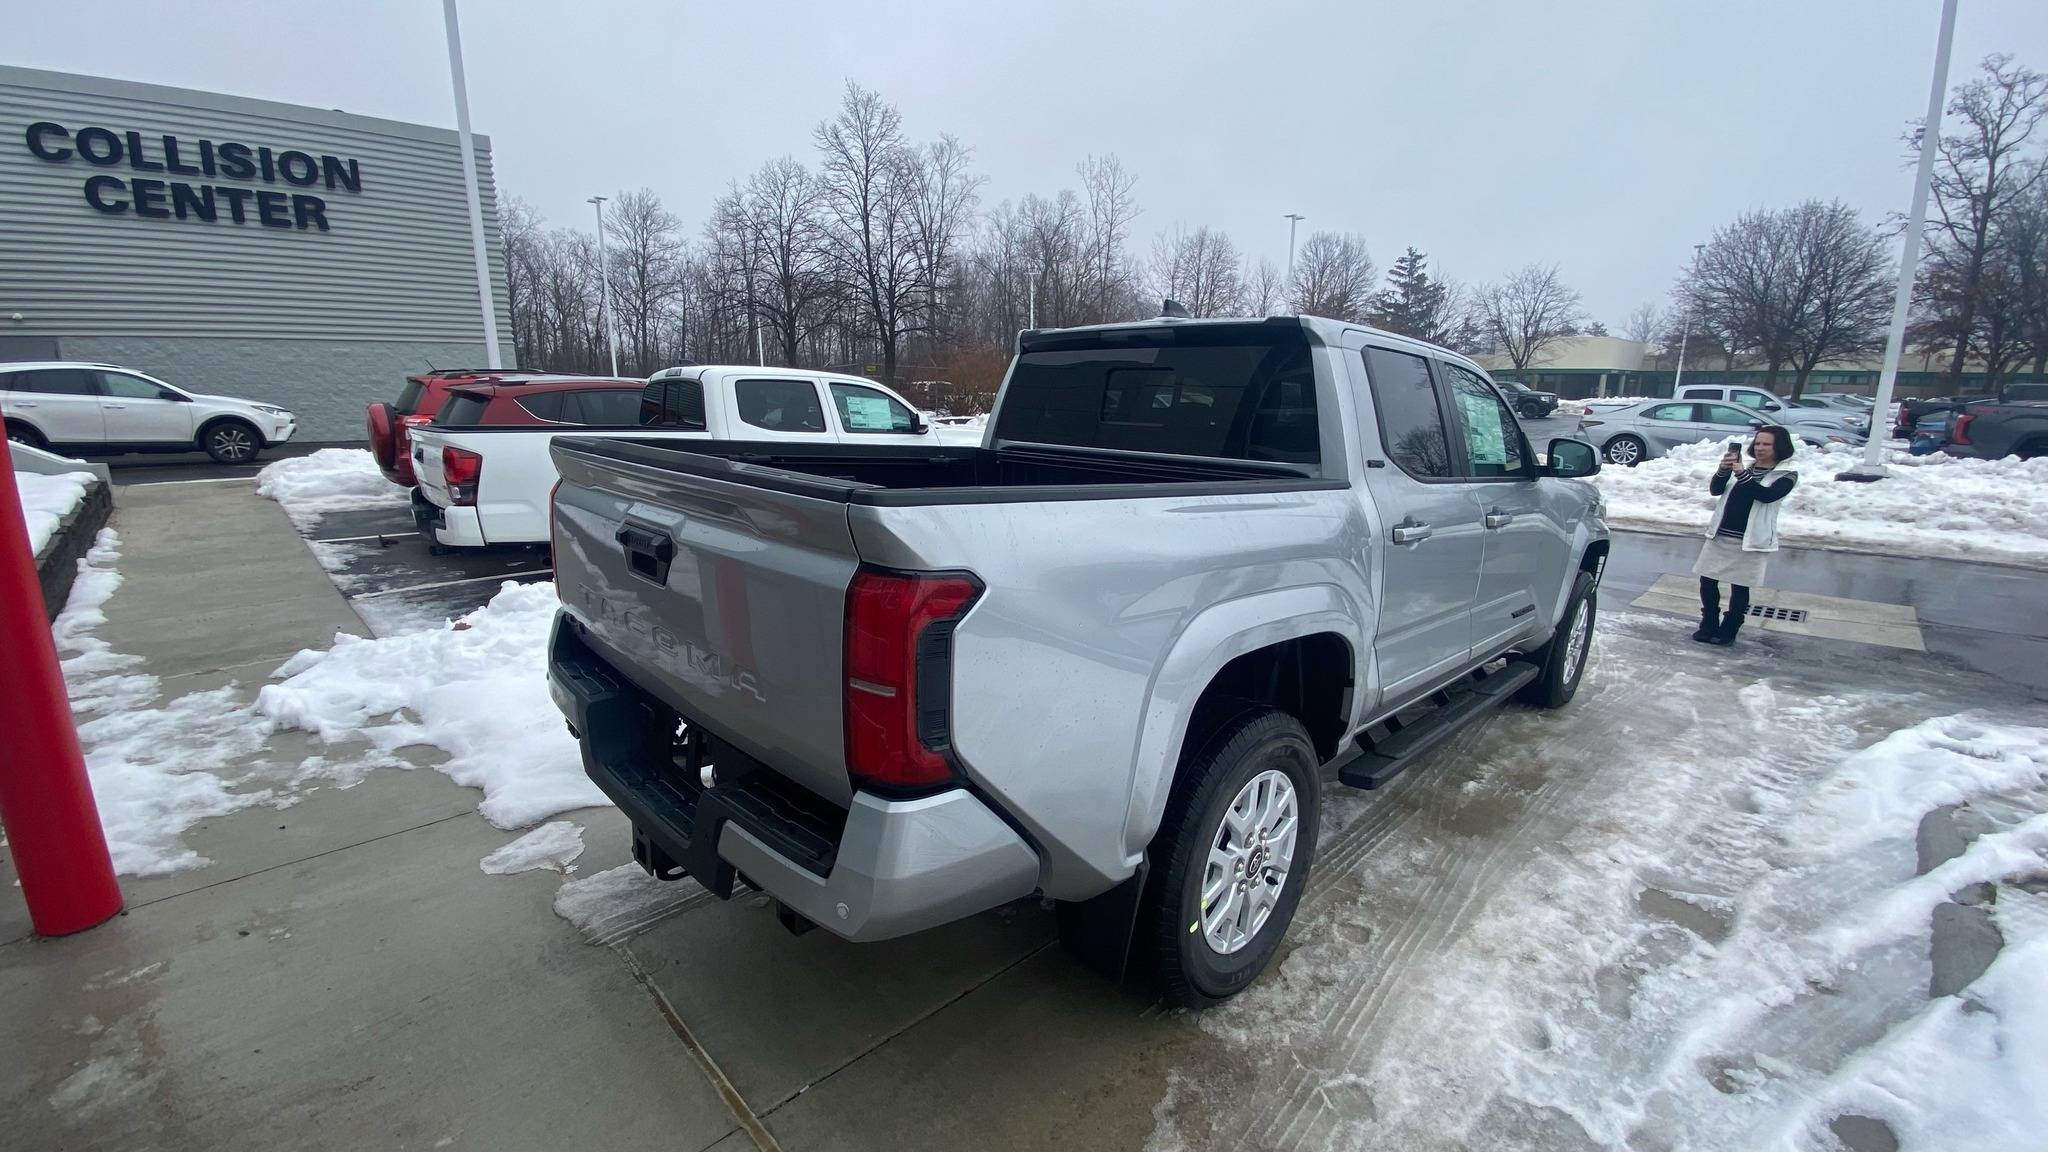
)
(1606, 137)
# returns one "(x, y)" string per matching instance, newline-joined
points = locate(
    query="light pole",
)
(1292, 218)
(1033, 321)
(604, 286)
(476, 202)
(1872, 467)
(1685, 324)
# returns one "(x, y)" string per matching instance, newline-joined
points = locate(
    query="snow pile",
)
(46, 500)
(150, 767)
(1941, 506)
(1716, 940)
(553, 846)
(967, 433)
(475, 687)
(330, 480)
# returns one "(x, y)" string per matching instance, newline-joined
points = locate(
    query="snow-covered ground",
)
(1703, 929)
(1938, 505)
(967, 432)
(330, 480)
(46, 500)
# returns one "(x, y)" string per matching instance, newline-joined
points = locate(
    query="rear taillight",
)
(899, 676)
(461, 470)
(1961, 434)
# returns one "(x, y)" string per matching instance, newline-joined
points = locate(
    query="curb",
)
(57, 563)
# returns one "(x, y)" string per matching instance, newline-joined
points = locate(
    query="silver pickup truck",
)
(1101, 657)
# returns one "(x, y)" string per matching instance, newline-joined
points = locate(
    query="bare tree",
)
(1333, 277)
(785, 242)
(868, 184)
(1842, 284)
(1112, 208)
(942, 197)
(1265, 287)
(2023, 256)
(1526, 314)
(645, 246)
(1979, 175)
(1199, 269)
(1643, 323)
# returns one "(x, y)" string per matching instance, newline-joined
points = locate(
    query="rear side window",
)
(780, 405)
(1234, 393)
(608, 406)
(58, 382)
(673, 403)
(462, 410)
(545, 405)
(1411, 418)
(409, 398)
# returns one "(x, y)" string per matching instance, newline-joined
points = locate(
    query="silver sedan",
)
(1644, 431)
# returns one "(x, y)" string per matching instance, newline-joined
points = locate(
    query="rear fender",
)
(1211, 640)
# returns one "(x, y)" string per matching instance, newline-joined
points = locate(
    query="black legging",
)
(1738, 599)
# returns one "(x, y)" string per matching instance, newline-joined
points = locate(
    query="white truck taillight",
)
(898, 687)
(461, 470)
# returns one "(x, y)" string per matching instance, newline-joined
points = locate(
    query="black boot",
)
(1730, 625)
(1710, 626)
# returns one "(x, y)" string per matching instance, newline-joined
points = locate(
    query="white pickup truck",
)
(489, 485)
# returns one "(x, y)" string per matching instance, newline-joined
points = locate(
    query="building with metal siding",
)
(298, 256)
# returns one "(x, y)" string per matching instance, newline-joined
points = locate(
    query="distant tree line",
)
(1790, 289)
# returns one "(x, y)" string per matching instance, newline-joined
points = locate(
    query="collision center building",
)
(303, 257)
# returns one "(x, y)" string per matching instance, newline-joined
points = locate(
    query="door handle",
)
(24, 403)
(1413, 532)
(1499, 519)
(112, 407)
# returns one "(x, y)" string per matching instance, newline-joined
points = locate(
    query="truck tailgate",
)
(425, 445)
(729, 599)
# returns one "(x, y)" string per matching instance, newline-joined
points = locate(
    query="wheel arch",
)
(216, 420)
(1298, 649)
(13, 421)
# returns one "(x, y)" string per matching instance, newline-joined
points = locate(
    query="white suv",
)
(105, 408)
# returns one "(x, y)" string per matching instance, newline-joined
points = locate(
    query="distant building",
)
(300, 256)
(1583, 366)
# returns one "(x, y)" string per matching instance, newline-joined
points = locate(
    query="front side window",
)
(1750, 399)
(128, 387)
(780, 405)
(1680, 412)
(1411, 418)
(1493, 441)
(58, 382)
(866, 410)
(1226, 391)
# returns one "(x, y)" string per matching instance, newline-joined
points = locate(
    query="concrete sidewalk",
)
(342, 975)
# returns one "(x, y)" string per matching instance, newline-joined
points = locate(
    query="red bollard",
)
(46, 805)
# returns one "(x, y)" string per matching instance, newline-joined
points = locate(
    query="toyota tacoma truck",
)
(1101, 657)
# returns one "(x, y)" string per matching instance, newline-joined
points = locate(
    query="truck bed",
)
(899, 475)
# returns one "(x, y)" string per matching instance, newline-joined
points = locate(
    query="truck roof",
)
(1328, 330)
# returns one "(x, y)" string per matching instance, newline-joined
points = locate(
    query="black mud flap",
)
(1099, 931)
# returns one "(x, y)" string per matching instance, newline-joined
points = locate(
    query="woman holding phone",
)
(1744, 530)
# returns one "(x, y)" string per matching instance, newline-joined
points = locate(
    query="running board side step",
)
(1383, 758)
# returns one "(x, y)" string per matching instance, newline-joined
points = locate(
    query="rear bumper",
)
(450, 527)
(893, 867)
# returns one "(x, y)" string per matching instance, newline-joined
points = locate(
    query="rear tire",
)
(1625, 450)
(19, 433)
(1563, 659)
(1259, 768)
(231, 442)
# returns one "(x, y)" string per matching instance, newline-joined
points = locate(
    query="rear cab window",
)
(1411, 418)
(1231, 392)
(673, 402)
(780, 405)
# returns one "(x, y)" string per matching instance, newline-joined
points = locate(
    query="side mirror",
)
(917, 425)
(1772, 406)
(1573, 458)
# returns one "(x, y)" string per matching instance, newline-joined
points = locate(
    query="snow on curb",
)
(1938, 506)
(330, 480)
(475, 688)
(46, 500)
(149, 766)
